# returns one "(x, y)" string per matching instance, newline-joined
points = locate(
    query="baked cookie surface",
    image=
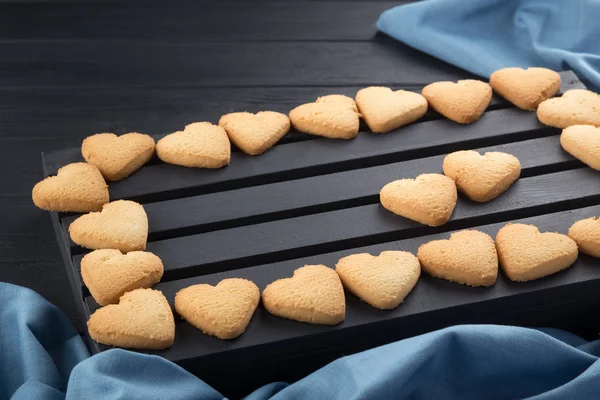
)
(314, 294)
(77, 187)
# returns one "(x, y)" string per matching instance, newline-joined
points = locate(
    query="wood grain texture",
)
(71, 69)
(239, 21)
(343, 229)
(30, 256)
(430, 294)
(382, 61)
(293, 198)
(71, 113)
(323, 156)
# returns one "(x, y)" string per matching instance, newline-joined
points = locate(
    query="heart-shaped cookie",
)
(109, 274)
(382, 281)
(200, 145)
(526, 254)
(78, 187)
(334, 116)
(255, 133)
(384, 109)
(583, 143)
(586, 233)
(142, 320)
(468, 257)
(429, 198)
(482, 177)
(574, 107)
(314, 294)
(525, 88)
(117, 157)
(121, 225)
(223, 311)
(462, 102)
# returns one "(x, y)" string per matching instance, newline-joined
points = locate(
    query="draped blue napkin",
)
(482, 36)
(42, 357)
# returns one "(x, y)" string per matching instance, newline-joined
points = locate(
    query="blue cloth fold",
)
(42, 357)
(482, 36)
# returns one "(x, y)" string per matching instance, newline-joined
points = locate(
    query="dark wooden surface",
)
(73, 68)
(312, 200)
(63, 77)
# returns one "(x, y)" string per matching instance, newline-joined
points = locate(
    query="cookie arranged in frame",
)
(78, 187)
(468, 257)
(574, 107)
(255, 133)
(382, 281)
(583, 143)
(223, 310)
(199, 145)
(314, 294)
(463, 102)
(525, 88)
(142, 320)
(109, 274)
(482, 177)
(586, 233)
(334, 116)
(385, 110)
(117, 157)
(429, 198)
(526, 254)
(121, 225)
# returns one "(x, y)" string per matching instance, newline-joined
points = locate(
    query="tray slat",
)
(318, 233)
(430, 294)
(287, 199)
(322, 156)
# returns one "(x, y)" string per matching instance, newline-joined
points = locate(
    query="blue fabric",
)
(41, 357)
(482, 36)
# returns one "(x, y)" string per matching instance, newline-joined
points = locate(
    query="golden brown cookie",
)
(109, 274)
(586, 233)
(526, 254)
(468, 257)
(574, 107)
(78, 187)
(525, 88)
(334, 116)
(583, 143)
(142, 320)
(382, 281)
(121, 225)
(223, 310)
(117, 157)
(429, 198)
(314, 294)
(199, 145)
(385, 110)
(255, 133)
(482, 177)
(463, 102)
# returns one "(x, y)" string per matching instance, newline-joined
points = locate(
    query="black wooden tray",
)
(313, 200)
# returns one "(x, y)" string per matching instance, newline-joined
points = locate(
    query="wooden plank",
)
(343, 229)
(154, 111)
(383, 61)
(20, 160)
(323, 156)
(257, 204)
(240, 21)
(429, 295)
